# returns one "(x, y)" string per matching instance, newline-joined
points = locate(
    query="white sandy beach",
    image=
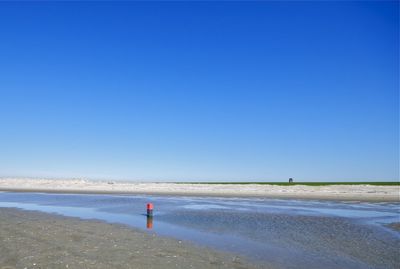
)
(337, 192)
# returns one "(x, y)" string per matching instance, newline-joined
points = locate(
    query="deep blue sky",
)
(200, 90)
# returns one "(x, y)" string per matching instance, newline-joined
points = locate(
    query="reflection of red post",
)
(149, 224)
(150, 210)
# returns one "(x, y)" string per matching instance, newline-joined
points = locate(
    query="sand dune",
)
(338, 192)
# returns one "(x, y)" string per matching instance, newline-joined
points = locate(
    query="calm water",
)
(273, 232)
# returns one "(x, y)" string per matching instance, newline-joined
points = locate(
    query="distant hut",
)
(290, 180)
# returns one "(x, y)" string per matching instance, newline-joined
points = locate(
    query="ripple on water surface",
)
(276, 232)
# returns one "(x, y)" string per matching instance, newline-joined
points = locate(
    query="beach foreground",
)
(358, 192)
(39, 240)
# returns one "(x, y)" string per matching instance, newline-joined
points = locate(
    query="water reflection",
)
(149, 223)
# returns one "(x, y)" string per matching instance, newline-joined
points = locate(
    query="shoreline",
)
(366, 193)
(35, 239)
(338, 241)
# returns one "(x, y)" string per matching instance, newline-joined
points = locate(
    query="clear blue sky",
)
(200, 90)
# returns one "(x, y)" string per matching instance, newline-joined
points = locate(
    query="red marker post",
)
(150, 210)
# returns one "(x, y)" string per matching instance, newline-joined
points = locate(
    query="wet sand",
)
(39, 240)
(395, 226)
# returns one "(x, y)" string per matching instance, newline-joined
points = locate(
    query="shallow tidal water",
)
(276, 233)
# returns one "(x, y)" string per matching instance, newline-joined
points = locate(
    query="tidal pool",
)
(276, 233)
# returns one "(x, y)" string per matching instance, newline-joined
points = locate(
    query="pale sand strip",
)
(329, 192)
